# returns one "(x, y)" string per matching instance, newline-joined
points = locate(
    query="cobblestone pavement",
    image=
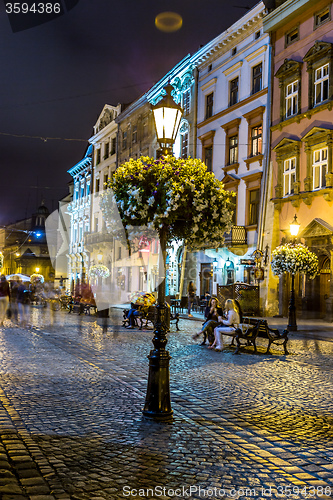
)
(247, 426)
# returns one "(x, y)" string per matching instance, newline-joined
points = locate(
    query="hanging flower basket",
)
(99, 271)
(294, 258)
(36, 278)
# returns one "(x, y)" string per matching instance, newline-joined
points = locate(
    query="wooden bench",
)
(251, 329)
(148, 318)
(272, 334)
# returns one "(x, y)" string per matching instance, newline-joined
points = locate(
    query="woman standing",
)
(191, 289)
(229, 324)
(4, 298)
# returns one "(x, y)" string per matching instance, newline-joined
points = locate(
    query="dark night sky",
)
(56, 78)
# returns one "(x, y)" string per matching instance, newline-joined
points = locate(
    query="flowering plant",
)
(1, 260)
(36, 278)
(294, 258)
(178, 195)
(99, 271)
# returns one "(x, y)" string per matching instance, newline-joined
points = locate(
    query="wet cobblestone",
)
(71, 425)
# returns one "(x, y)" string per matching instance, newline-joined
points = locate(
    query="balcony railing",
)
(237, 236)
(94, 238)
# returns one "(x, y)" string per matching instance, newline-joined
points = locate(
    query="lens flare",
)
(168, 21)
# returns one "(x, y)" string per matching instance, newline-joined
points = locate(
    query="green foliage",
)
(294, 258)
(176, 194)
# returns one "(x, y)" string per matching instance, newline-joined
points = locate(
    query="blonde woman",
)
(229, 324)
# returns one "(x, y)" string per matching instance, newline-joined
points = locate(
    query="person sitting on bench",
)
(228, 325)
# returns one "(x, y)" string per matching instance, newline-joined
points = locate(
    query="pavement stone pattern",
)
(246, 426)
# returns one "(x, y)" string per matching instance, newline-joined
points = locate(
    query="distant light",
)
(168, 21)
(37, 269)
(38, 235)
(17, 254)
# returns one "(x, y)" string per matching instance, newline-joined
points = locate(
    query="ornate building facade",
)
(302, 141)
(233, 140)
(80, 220)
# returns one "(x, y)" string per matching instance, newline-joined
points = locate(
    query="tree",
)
(179, 199)
(294, 258)
(173, 195)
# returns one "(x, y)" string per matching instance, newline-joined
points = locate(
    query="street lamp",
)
(167, 115)
(292, 325)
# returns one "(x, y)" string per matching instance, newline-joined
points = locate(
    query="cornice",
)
(239, 104)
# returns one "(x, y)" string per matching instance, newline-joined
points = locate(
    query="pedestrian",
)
(4, 298)
(137, 310)
(227, 325)
(213, 315)
(13, 299)
(23, 302)
(191, 289)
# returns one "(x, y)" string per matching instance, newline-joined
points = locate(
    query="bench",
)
(251, 329)
(272, 334)
(148, 317)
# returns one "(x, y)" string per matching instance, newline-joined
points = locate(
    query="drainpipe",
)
(267, 157)
(196, 86)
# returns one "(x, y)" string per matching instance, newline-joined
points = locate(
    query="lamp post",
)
(167, 115)
(292, 325)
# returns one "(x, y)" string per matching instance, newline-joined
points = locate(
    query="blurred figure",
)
(13, 298)
(23, 302)
(191, 289)
(4, 297)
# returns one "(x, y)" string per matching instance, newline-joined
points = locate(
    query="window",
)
(292, 99)
(135, 134)
(208, 158)
(256, 140)
(289, 75)
(106, 150)
(257, 35)
(187, 102)
(233, 149)
(319, 168)
(209, 105)
(113, 146)
(209, 68)
(98, 156)
(106, 178)
(289, 176)
(145, 129)
(234, 51)
(124, 139)
(322, 17)
(257, 78)
(292, 36)
(96, 224)
(254, 206)
(321, 83)
(88, 188)
(233, 91)
(97, 185)
(184, 145)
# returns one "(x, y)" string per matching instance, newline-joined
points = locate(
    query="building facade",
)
(25, 248)
(302, 133)
(233, 140)
(79, 220)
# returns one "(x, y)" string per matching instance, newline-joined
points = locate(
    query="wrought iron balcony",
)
(237, 236)
(93, 238)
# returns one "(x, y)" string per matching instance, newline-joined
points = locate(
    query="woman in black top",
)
(213, 314)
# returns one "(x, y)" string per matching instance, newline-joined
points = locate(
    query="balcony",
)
(95, 238)
(237, 236)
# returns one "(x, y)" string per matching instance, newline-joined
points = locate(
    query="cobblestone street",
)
(71, 426)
